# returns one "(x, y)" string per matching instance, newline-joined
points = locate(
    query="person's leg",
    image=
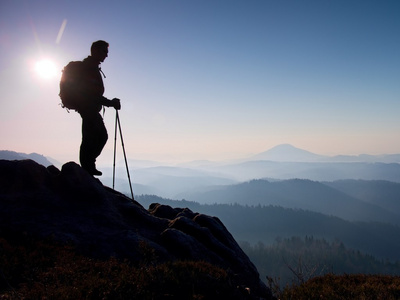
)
(101, 136)
(85, 156)
(94, 137)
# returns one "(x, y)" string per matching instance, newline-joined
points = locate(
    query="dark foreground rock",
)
(71, 206)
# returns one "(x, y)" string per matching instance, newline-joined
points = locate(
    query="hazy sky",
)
(208, 79)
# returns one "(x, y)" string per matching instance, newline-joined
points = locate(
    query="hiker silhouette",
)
(94, 132)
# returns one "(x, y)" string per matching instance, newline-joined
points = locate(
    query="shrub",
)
(341, 287)
(32, 269)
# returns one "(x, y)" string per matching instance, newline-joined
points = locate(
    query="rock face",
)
(72, 206)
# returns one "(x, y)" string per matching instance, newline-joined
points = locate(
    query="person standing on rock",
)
(89, 90)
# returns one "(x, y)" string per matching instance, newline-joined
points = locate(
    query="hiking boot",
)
(95, 172)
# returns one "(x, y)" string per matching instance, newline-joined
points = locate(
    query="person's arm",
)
(116, 103)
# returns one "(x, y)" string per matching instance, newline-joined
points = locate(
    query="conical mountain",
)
(288, 153)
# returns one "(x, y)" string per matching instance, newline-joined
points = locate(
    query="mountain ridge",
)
(172, 181)
(299, 194)
(279, 153)
(39, 158)
(290, 153)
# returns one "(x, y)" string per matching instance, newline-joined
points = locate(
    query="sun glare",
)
(46, 69)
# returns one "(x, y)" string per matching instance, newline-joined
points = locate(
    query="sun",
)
(46, 68)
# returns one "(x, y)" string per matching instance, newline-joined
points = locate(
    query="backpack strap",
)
(101, 71)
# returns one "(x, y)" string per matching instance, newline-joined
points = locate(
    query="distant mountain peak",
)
(285, 147)
(288, 153)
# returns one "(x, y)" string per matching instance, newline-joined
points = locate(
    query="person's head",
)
(99, 50)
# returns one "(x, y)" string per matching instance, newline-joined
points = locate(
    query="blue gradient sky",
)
(208, 79)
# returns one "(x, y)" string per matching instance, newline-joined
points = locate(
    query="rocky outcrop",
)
(71, 206)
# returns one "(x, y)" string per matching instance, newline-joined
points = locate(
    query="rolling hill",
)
(299, 194)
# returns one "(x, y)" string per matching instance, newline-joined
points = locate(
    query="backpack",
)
(70, 85)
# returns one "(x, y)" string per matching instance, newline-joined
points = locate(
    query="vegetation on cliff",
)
(39, 269)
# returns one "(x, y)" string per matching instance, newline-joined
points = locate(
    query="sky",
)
(207, 79)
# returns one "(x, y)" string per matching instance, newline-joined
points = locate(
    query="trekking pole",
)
(123, 148)
(115, 146)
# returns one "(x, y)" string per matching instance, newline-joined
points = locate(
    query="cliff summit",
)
(70, 206)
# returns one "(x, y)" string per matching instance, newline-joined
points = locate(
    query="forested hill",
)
(344, 199)
(266, 223)
(385, 194)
